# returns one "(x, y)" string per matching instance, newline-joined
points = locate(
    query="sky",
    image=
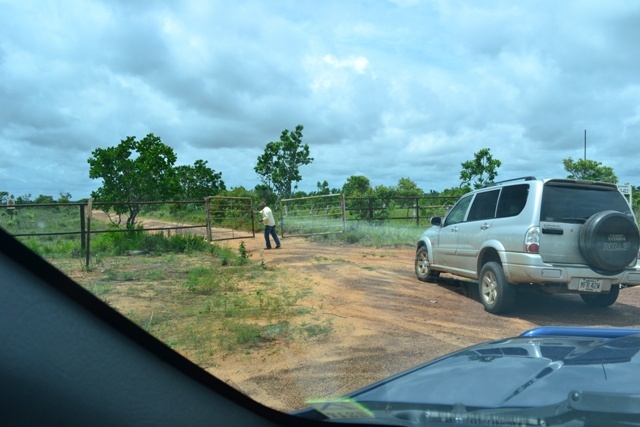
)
(388, 89)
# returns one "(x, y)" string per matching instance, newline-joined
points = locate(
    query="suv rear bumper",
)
(529, 268)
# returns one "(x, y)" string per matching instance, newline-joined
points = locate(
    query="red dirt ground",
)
(385, 321)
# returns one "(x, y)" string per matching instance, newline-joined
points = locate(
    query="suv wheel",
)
(423, 266)
(602, 300)
(609, 241)
(496, 294)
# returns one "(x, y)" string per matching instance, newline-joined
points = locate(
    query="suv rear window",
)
(575, 204)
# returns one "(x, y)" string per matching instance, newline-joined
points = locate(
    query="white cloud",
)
(387, 89)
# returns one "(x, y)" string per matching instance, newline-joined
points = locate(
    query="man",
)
(269, 225)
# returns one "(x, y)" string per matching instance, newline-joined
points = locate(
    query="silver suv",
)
(561, 235)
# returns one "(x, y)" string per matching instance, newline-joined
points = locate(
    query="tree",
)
(4, 195)
(24, 199)
(64, 197)
(356, 186)
(278, 167)
(408, 188)
(134, 171)
(589, 170)
(481, 170)
(264, 193)
(43, 199)
(322, 188)
(198, 181)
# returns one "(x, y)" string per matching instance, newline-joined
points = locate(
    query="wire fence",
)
(215, 218)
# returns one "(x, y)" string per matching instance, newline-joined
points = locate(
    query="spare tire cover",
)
(609, 241)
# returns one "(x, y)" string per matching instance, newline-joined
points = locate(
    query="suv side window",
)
(512, 200)
(484, 205)
(458, 212)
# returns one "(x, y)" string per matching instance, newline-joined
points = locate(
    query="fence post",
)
(371, 208)
(343, 207)
(207, 210)
(417, 210)
(83, 231)
(90, 209)
(253, 218)
(282, 208)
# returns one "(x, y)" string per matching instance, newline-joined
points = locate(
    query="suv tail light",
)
(532, 240)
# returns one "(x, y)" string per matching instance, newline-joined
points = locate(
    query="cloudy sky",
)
(385, 89)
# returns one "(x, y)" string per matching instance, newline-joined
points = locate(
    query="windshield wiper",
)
(575, 220)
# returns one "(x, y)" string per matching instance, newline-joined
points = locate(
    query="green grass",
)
(373, 235)
(204, 303)
(203, 300)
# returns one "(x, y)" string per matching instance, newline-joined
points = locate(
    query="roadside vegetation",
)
(373, 235)
(206, 302)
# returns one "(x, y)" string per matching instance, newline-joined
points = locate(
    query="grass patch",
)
(373, 235)
(205, 304)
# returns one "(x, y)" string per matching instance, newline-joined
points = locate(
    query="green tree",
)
(481, 170)
(199, 181)
(322, 188)
(635, 196)
(356, 186)
(589, 170)
(64, 197)
(264, 193)
(408, 188)
(355, 189)
(134, 171)
(42, 199)
(24, 199)
(4, 195)
(279, 166)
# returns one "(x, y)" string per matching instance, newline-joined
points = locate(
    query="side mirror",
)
(436, 220)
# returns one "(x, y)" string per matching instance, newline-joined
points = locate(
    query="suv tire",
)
(496, 294)
(601, 300)
(423, 266)
(609, 242)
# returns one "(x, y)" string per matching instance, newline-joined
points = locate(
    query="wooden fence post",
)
(83, 231)
(343, 207)
(90, 208)
(207, 209)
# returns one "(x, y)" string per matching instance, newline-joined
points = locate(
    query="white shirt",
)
(267, 217)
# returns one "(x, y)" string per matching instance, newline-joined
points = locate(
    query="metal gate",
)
(314, 215)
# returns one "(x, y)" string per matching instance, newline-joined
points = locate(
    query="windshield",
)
(251, 183)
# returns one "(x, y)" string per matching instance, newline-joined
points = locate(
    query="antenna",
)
(585, 144)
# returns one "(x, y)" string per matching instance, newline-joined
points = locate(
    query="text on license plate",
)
(590, 285)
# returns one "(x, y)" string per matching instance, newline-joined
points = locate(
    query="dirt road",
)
(385, 321)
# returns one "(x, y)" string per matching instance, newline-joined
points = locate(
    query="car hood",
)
(516, 372)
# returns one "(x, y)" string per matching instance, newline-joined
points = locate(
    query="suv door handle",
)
(484, 226)
(454, 229)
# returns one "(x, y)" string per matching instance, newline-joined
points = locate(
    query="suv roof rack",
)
(522, 178)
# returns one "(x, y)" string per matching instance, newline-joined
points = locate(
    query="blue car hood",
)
(517, 372)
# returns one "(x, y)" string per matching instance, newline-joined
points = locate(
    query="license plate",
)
(590, 285)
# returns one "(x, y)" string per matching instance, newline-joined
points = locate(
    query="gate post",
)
(83, 231)
(207, 210)
(343, 207)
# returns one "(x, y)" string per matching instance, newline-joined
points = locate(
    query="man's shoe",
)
(278, 247)
(266, 249)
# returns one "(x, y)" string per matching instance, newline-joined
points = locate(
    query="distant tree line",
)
(145, 170)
